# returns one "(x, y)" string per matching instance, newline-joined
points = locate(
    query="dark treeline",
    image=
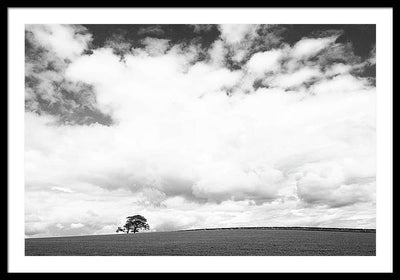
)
(293, 228)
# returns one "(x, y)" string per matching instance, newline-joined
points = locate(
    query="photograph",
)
(200, 140)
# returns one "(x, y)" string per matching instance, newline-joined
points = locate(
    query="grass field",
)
(233, 242)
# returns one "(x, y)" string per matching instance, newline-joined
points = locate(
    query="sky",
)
(199, 126)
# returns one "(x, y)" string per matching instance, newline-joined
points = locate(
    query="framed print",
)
(200, 140)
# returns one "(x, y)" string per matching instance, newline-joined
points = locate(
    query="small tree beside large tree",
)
(134, 224)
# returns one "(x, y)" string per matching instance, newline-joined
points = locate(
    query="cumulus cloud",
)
(78, 225)
(263, 62)
(155, 46)
(50, 49)
(66, 41)
(236, 33)
(194, 143)
(309, 47)
(297, 78)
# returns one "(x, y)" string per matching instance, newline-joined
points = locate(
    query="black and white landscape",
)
(263, 134)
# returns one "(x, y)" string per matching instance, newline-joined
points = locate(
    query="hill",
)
(211, 242)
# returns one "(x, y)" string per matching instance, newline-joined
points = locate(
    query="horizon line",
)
(368, 230)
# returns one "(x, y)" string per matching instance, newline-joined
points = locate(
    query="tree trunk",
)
(127, 230)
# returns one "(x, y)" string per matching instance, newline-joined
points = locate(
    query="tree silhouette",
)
(134, 224)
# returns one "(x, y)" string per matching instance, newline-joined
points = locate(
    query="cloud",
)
(151, 30)
(235, 33)
(155, 46)
(60, 189)
(263, 62)
(309, 47)
(50, 49)
(119, 44)
(302, 76)
(198, 28)
(194, 144)
(66, 41)
(78, 225)
(337, 183)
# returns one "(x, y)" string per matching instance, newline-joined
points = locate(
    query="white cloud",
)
(78, 225)
(217, 53)
(235, 33)
(338, 68)
(65, 40)
(155, 46)
(342, 84)
(337, 183)
(309, 47)
(296, 78)
(60, 226)
(263, 62)
(61, 189)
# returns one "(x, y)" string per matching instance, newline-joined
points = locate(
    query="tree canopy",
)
(134, 224)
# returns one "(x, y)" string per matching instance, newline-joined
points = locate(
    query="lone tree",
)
(134, 224)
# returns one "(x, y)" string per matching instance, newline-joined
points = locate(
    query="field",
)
(226, 242)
